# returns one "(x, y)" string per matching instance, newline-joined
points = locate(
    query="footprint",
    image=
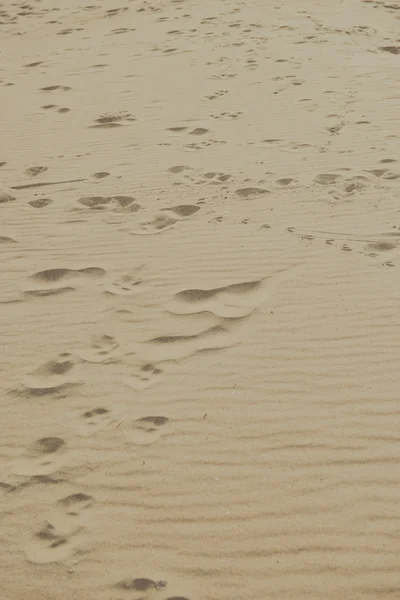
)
(94, 420)
(182, 211)
(199, 131)
(110, 120)
(140, 584)
(326, 178)
(126, 285)
(175, 347)
(166, 219)
(217, 94)
(155, 224)
(102, 350)
(48, 282)
(5, 196)
(61, 535)
(43, 457)
(201, 145)
(40, 202)
(53, 375)
(230, 302)
(249, 193)
(34, 171)
(146, 430)
(286, 181)
(227, 116)
(124, 204)
(143, 376)
(53, 88)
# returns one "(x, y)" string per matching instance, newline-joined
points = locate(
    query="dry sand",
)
(200, 304)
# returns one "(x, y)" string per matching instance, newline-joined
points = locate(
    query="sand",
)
(200, 304)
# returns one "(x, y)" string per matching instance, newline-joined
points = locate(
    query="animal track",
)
(102, 350)
(43, 457)
(34, 171)
(166, 219)
(124, 204)
(143, 376)
(146, 430)
(51, 376)
(202, 145)
(61, 534)
(228, 116)
(140, 584)
(191, 176)
(126, 285)
(54, 88)
(94, 420)
(47, 283)
(109, 120)
(217, 94)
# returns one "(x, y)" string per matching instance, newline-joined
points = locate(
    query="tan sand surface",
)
(200, 300)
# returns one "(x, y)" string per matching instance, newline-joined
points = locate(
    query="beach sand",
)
(200, 303)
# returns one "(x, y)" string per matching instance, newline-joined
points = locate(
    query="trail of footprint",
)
(231, 301)
(166, 219)
(53, 375)
(47, 283)
(146, 430)
(61, 534)
(43, 457)
(175, 347)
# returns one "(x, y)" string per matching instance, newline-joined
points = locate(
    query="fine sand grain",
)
(200, 301)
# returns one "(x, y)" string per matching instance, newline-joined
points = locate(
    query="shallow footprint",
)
(143, 376)
(126, 285)
(146, 430)
(53, 375)
(156, 224)
(231, 301)
(249, 193)
(182, 211)
(94, 420)
(48, 546)
(175, 347)
(48, 282)
(43, 457)
(124, 204)
(102, 350)
(60, 536)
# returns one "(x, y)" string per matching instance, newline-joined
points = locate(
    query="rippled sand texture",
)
(199, 300)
